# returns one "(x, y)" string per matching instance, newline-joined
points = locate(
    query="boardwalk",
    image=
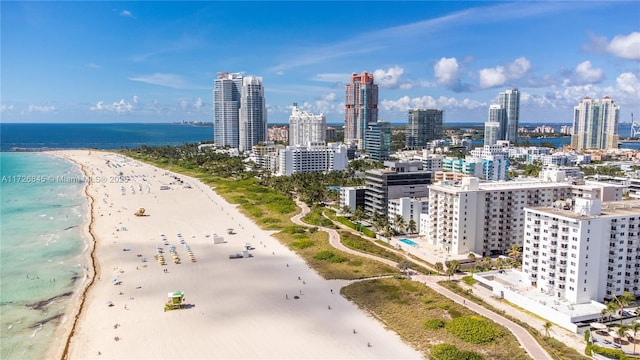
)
(526, 340)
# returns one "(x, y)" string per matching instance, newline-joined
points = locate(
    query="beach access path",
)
(526, 340)
(269, 305)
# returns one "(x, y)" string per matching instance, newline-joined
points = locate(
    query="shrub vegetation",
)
(473, 329)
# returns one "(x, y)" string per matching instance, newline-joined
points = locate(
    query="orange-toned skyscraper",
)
(361, 108)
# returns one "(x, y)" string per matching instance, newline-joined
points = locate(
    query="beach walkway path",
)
(526, 340)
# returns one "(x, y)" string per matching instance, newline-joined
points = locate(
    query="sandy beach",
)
(269, 305)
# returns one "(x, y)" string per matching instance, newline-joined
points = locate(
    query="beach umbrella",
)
(614, 334)
(597, 325)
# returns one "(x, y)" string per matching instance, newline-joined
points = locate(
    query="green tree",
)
(357, 216)
(346, 210)
(412, 227)
(515, 252)
(453, 266)
(439, 267)
(547, 326)
(623, 301)
(398, 223)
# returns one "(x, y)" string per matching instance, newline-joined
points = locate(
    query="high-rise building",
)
(582, 251)
(497, 123)
(398, 179)
(253, 113)
(424, 125)
(487, 218)
(312, 157)
(361, 108)
(491, 132)
(595, 124)
(509, 100)
(378, 139)
(226, 104)
(305, 127)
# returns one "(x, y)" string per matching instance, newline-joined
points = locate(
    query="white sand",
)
(238, 307)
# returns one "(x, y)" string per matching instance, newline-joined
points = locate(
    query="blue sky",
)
(156, 61)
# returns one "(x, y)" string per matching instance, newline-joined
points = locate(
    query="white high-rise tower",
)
(595, 124)
(253, 114)
(305, 127)
(510, 101)
(226, 104)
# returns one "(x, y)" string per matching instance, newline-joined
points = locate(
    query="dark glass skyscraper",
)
(424, 125)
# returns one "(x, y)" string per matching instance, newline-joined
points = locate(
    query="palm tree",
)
(515, 253)
(439, 267)
(376, 221)
(412, 226)
(388, 231)
(486, 263)
(499, 263)
(398, 223)
(452, 267)
(610, 309)
(346, 210)
(624, 300)
(635, 327)
(603, 314)
(547, 326)
(471, 256)
(358, 215)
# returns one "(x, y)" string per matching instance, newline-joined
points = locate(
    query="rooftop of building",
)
(608, 209)
(512, 279)
(516, 184)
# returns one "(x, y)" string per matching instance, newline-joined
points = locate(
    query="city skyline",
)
(141, 62)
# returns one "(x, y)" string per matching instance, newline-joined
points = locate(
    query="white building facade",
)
(312, 157)
(305, 127)
(485, 218)
(409, 209)
(253, 114)
(585, 251)
(595, 124)
(226, 104)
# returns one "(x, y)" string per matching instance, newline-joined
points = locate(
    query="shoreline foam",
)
(66, 331)
(241, 308)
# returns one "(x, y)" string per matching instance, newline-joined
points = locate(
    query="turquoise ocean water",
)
(41, 250)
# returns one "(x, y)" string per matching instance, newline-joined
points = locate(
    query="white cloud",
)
(46, 108)
(585, 73)
(447, 71)
(119, 107)
(126, 13)
(329, 97)
(161, 79)
(427, 102)
(389, 78)
(198, 104)
(4, 108)
(492, 77)
(500, 75)
(411, 33)
(194, 106)
(626, 46)
(622, 46)
(628, 83)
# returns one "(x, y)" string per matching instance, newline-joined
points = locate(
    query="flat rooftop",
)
(512, 279)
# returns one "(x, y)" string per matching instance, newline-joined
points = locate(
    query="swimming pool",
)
(409, 242)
